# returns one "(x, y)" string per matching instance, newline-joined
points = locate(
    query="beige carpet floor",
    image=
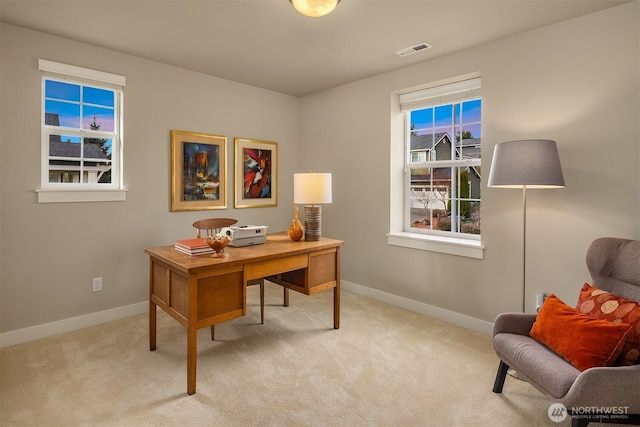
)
(385, 366)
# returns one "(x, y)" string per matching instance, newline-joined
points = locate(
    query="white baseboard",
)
(462, 320)
(37, 332)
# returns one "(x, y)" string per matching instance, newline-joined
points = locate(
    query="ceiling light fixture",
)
(314, 8)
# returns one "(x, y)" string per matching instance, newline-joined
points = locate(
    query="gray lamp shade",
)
(530, 163)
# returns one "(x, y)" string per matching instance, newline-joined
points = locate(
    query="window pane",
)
(64, 146)
(471, 225)
(62, 114)
(444, 115)
(430, 189)
(97, 118)
(472, 131)
(99, 148)
(97, 161)
(471, 111)
(466, 146)
(464, 209)
(60, 90)
(61, 176)
(64, 158)
(92, 95)
(442, 144)
(469, 149)
(421, 119)
(421, 147)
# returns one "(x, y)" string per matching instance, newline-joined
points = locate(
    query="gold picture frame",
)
(256, 173)
(198, 171)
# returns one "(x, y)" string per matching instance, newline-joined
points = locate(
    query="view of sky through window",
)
(71, 102)
(426, 120)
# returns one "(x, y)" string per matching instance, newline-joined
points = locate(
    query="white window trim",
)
(52, 193)
(397, 236)
(434, 243)
(79, 72)
(49, 195)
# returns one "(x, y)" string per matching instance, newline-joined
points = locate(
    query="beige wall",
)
(575, 82)
(50, 252)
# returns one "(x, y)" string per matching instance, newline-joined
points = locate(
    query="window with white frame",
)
(81, 134)
(442, 162)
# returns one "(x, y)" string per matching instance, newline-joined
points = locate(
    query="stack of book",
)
(193, 246)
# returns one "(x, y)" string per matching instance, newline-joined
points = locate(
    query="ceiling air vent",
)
(413, 49)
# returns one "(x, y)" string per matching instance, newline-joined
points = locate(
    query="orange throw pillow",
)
(582, 340)
(601, 304)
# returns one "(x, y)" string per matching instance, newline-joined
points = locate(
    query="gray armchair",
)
(614, 265)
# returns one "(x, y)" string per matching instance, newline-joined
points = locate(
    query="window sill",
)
(442, 244)
(47, 195)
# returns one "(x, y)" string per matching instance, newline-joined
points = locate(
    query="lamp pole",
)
(524, 247)
(532, 163)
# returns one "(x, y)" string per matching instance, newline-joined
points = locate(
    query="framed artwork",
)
(256, 174)
(198, 171)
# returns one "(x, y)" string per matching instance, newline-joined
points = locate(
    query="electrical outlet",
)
(540, 298)
(97, 284)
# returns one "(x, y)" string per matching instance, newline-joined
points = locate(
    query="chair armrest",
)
(612, 386)
(513, 323)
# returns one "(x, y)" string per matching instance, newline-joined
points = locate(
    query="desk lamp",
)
(312, 189)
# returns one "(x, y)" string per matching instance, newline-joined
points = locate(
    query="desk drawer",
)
(257, 270)
(320, 274)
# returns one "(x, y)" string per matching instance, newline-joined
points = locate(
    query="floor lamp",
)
(526, 164)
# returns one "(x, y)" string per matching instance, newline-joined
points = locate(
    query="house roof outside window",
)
(70, 149)
(57, 148)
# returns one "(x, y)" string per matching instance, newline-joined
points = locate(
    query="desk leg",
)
(152, 325)
(285, 296)
(192, 339)
(336, 307)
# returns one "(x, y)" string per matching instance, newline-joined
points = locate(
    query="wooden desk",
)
(200, 291)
